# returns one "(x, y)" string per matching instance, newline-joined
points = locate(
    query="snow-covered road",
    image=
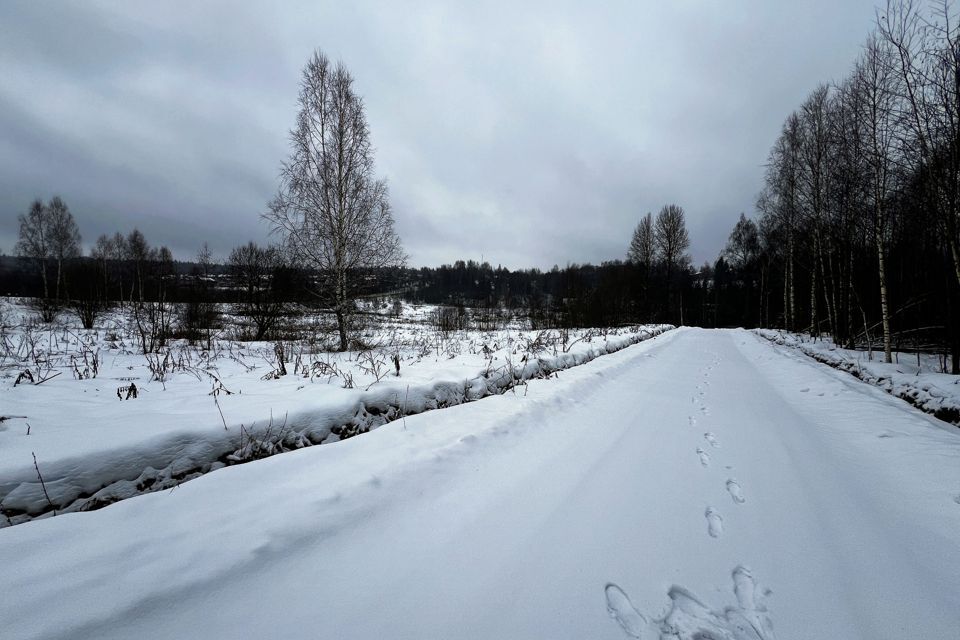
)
(701, 482)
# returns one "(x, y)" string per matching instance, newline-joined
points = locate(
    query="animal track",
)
(712, 439)
(622, 610)
(714, 522)
(692, 420)
(704, 457)
(733, 488)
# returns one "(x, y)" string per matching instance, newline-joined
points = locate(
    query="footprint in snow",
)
(689, 618)
(622, 610)
(712, 439)
(805, 389)
(744, 588)
(704, 457)
(733, 488)
(714, 522)
(692, 420)
(956, 498)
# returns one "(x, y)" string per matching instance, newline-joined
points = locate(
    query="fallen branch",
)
(50, 377)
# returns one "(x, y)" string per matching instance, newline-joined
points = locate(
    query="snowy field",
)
(199, 409)
(700, 484)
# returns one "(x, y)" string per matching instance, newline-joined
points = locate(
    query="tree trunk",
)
(763, 273)
(824, 285)
(106, 282)
(120, 283)
(814, 320)
(793, 297)
(786, 298)
(884, 308)
(342, 328)
(954, 251)
(850, 329)
(59, 271)
(830, 282)
(43, 274)
(340, 309)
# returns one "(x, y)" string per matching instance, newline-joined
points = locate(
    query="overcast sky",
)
(524, 135)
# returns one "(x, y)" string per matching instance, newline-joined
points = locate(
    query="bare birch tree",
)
(813, 180)
(743, 244)
(641, 249)
(137, 251)
(332, 212)
(102, 251)
(782, 205)
(672, 241)
(927, 49)
(34, 240)
(671, 237)
(849, 197)
(118, 253)
(64, 237)
(875, 80)
(49, 233)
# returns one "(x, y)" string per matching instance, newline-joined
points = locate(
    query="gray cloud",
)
(527, 135)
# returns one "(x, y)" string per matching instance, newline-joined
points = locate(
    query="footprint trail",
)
(735, 491)
(714, 522)
(704, 457)
(689, 618)
(622, 610)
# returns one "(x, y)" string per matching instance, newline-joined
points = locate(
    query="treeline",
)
(612, 293)
(655, 283)
(609, 294)
(858, 217)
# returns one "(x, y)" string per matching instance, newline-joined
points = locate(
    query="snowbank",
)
(932, 392)
(84, 469)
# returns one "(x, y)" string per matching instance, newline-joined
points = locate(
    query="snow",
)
(578, 507)
(925, 384)
(93, 449)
